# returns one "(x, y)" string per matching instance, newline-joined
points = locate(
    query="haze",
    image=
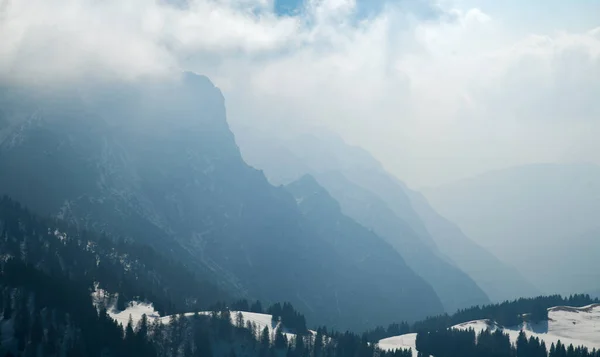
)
(435, 90)
(248, 177)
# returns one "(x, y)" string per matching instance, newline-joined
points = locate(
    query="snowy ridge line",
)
(588, 308)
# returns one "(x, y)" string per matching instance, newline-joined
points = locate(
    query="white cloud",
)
(434, 98)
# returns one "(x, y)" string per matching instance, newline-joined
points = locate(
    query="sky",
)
(436, 90)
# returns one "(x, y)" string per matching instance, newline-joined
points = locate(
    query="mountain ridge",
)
(332, 164)
(157, 163)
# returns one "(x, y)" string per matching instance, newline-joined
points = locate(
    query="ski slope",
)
(570, 325)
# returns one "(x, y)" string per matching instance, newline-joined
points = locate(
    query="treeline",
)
(508, 314)
(292, 320)
(48, 271)
(288, 317)
(466, 343)
(214, 335)
(241, 305)
(52, 315)
(134, 270)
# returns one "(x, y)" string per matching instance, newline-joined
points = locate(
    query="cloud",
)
(437, 90)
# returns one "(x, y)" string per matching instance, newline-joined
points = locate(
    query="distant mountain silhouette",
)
(376, 200)
(541, 219)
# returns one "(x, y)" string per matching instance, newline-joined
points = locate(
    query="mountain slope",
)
(532, 217)
(367, 194)
(53, 302)
(377, 268)
(155, 161)
(500, 281)
(454, 287)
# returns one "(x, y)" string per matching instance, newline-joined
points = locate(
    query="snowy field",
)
(570, 325)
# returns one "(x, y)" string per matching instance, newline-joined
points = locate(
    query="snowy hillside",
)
(136, 310)
(570, 325)
(405, 342)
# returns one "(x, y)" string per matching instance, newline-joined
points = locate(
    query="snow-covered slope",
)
(135, 310)
(400, 342)
(571, 325)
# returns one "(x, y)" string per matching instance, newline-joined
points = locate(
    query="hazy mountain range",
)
(435, 248)
(542, 219)
(321, 223)
(156, 162)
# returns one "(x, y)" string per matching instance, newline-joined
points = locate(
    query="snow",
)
(136, 310)
(403, 342)
(260, 320)
(570, 325)
(60, 235)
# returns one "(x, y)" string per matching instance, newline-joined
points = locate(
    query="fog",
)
(436, 91)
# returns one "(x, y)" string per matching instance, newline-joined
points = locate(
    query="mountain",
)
(379, 269)
(47, 272)
(58, 287)
(541, 219)
(376, 200)
(155, 162)
(499, 281)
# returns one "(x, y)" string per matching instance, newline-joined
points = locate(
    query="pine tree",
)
(299, 345)
(130, 340)
(251, 328)
(318, 343)
(257, 307)
(280, 339)
(522, 345)
(552, 352)
(121, 303)
(142, 328)
(264, 338)
(239, 320)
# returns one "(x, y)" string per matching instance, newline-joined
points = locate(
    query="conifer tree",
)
(280, 339)
(239, 320)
